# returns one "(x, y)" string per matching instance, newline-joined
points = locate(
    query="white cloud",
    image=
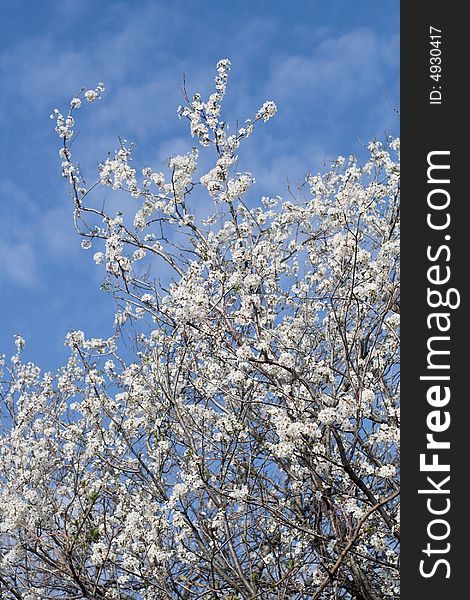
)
(18, 264)
(339, 71)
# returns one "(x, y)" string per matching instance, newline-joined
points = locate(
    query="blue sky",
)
(331, 67)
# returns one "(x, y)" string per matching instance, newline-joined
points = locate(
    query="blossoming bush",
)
(248, 449)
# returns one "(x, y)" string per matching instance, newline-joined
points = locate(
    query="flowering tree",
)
(245, 445)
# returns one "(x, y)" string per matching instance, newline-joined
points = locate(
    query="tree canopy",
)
(236, 436)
